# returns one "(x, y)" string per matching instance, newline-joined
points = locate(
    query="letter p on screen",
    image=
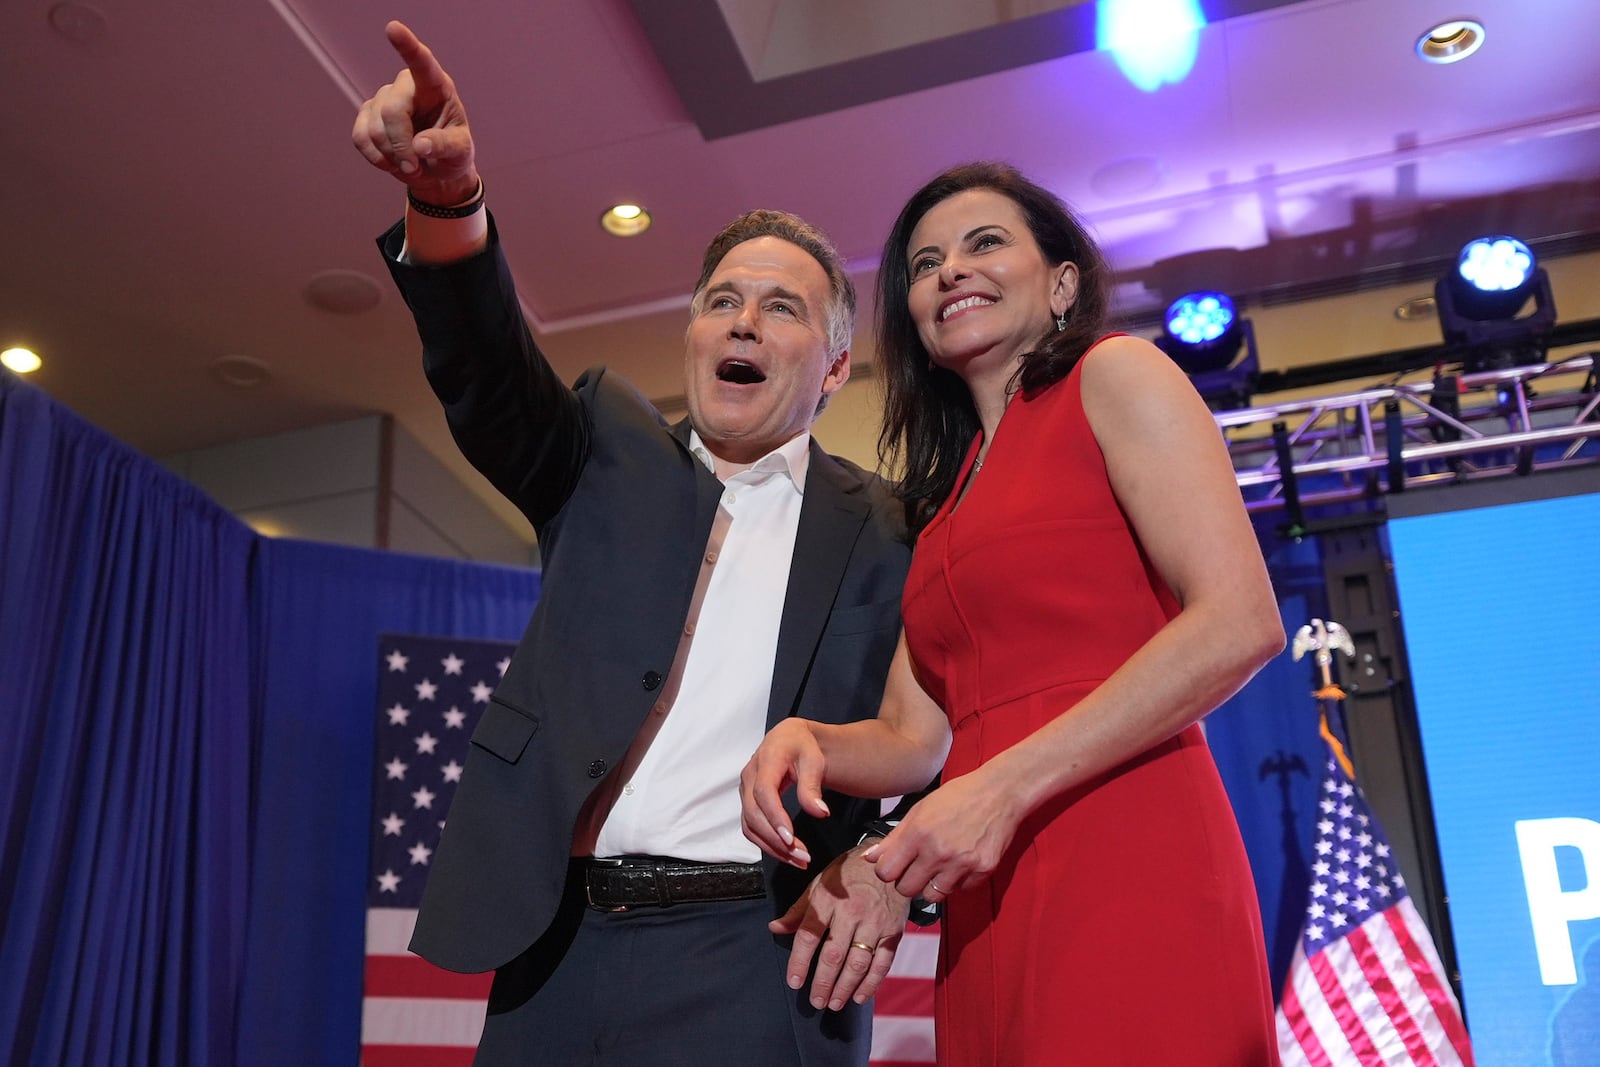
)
(1551, 907)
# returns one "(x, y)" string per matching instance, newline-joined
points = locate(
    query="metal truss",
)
(1456, 427)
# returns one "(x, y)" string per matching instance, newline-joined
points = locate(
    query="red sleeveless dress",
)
(1121, 927)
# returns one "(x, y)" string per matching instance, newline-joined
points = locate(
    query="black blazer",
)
(623, 513)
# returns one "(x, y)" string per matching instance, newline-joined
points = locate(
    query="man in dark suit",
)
(701, 582)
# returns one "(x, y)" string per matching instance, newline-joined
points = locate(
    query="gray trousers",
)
(690, 984)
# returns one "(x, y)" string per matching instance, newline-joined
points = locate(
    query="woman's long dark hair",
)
(929, 417)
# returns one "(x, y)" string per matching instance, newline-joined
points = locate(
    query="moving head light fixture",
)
(1203, 334)
(1479, 299)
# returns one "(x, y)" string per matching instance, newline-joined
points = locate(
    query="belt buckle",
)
(588, 889)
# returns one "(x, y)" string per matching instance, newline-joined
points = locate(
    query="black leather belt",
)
(649, 881)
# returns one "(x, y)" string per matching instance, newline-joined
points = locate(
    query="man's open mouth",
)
(739, 372)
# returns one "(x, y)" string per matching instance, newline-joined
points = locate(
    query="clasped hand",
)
(952, 839)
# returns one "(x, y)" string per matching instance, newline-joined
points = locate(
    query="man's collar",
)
(793, 457)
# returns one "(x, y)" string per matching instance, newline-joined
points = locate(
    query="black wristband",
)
(459, 211)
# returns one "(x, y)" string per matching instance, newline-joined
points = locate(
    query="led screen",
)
(1498, 606)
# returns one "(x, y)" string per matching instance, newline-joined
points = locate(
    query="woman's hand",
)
(789, 753)
(952, 839)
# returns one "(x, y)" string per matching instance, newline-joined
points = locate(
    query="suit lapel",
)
(708, 491)
(830, 521)
(680, 432)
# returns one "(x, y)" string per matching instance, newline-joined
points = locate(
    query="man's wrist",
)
(453, 201)
(877, 829)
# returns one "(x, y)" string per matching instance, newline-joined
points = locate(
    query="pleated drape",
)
(125, 750)
(186, 727)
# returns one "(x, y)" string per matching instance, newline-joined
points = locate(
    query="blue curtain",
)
(186, 730)
(125, 736)
(322, 609)
(1270, 755)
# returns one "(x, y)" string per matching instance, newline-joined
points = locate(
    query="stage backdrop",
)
(187, 729)
(1498, 595)
(321, 610)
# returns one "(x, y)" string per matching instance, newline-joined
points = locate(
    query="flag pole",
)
(1366, 987)
(1322, 638)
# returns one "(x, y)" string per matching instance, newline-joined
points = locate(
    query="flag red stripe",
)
(1344, 1013)
(415, 1056)
(412, 976)
(1393, 1004)
(1443, 1001)
(905, 996)
(1304, 1035)
(901, 1063)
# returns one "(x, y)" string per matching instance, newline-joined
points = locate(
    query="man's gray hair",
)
(841, 310)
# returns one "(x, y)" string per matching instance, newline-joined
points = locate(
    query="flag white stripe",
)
(1314, 1004)
(1368, 1010)
(918, 955)
(1419, 933)
(902, 1037)
(1289, 1050)
(420, 1021)
(1438, 1035)
(1415, 998)
(389, 930)
(1393, 960)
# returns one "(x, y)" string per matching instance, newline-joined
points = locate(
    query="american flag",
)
(431, 692)
(1365, 987)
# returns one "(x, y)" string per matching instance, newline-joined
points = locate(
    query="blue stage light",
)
(1480, 299)
(1495, 264)
(1203, 336)
(1198, 318)
(1494, 277)
(1154, 42)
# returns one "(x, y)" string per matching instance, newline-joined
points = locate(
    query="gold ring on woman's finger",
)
(863, 946)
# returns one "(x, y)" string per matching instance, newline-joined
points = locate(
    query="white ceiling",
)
(177, 173)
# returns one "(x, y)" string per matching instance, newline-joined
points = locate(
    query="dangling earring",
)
(1061, 320)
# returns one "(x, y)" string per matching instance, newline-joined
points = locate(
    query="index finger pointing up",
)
(425, 70)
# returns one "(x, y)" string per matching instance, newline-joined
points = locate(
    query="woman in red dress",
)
(1086, 586)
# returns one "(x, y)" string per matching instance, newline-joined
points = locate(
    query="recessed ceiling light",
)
(243, 372)
(21, 360)
(1451, 42)
(1418, 307)
(78, 23)
(343, 292)
(625, 220)
(1128, 177)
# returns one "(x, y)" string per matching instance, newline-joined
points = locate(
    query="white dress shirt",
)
(676, 792)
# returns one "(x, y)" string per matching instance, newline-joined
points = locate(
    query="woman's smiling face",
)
(978, 281)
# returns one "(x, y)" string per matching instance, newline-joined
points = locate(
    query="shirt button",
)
(651, 680)
(628, 789)
(711, 557)
(597, 768)
(730, 497)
